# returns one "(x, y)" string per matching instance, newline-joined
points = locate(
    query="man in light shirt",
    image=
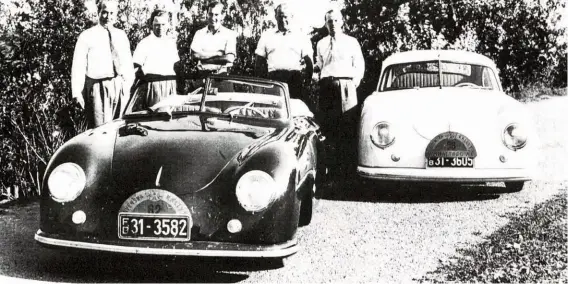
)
(341, 66)
(285, 55)
(214, 46)
(155, 58)
(102, 70)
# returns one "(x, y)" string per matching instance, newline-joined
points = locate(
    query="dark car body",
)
(183, 166)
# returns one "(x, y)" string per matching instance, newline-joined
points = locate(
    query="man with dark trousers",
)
(341, 65)
(285, 54)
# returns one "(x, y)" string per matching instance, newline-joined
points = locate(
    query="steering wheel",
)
(247, 106)
(466, 84)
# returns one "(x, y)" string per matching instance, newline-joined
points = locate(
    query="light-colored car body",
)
(467, 119)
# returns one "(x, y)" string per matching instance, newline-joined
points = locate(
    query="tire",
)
(307, 207)
(514, 186)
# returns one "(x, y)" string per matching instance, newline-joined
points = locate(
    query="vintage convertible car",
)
(229, 170)
(442, 116)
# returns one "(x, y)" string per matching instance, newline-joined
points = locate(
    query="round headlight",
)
(256, 190)
(382, 135)
(66, 182)
(514, 137)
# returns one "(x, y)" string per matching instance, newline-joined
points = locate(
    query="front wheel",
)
(514, 186)
(307, 207)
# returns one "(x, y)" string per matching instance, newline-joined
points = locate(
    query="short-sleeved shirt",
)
(284, 51)
(206, 41)
(340, 58)
(156, 55)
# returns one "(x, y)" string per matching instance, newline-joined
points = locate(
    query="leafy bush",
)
(37, 44)
(520, 36)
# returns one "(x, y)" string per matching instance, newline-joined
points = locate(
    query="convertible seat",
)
(411, 80)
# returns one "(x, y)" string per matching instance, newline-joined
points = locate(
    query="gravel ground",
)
(356, 235)
(387, 238)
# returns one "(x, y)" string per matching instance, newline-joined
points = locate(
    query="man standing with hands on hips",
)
(102, 71)
(285, 55)
(341, 66)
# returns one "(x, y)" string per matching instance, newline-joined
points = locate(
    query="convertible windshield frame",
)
(387, 74)
(206, 88)
(254, 82)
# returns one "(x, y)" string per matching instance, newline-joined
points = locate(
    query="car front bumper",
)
(192, 248)
(445, 175)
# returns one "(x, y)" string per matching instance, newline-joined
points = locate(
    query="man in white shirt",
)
(214, 46)
(154, 59)
(341, 65)
(285, 55)
(102, 71)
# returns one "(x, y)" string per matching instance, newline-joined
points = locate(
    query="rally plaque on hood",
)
(450, 150)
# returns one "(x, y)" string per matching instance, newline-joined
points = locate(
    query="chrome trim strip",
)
(280, 250)
(159, 176)
(445, 175)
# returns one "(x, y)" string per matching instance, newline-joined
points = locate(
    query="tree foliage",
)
(37, 38)
(520, 36)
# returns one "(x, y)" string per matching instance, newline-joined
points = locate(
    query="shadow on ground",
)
(407, 192)
(106, 267)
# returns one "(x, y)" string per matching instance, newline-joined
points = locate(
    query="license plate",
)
(450, 162)
(161, 227)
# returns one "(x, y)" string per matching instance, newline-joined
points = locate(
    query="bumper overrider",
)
(192, 248)
(445, 175)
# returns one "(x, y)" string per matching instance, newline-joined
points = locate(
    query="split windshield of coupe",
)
(429, 74)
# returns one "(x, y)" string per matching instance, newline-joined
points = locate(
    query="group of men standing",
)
(104, 71)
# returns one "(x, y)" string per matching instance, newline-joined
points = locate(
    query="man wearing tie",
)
(341, 65)
(102, 71)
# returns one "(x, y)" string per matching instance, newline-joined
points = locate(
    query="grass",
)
(531, 248)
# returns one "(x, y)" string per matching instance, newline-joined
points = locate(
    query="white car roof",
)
(429, 55)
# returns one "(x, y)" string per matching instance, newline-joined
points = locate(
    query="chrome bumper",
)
(445, 175)
(198, 248)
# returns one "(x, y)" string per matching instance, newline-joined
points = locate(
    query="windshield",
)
(428, 74)
(239, 97)
(234, 97)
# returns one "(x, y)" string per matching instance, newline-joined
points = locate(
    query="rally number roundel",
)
(451, 144)
(154, 201)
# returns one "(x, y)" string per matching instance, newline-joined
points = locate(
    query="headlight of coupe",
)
(256, 190)
(382, 135)
(514, 136)
(66, 182)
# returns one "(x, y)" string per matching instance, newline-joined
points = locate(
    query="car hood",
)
(175, 156)
(431, 111)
